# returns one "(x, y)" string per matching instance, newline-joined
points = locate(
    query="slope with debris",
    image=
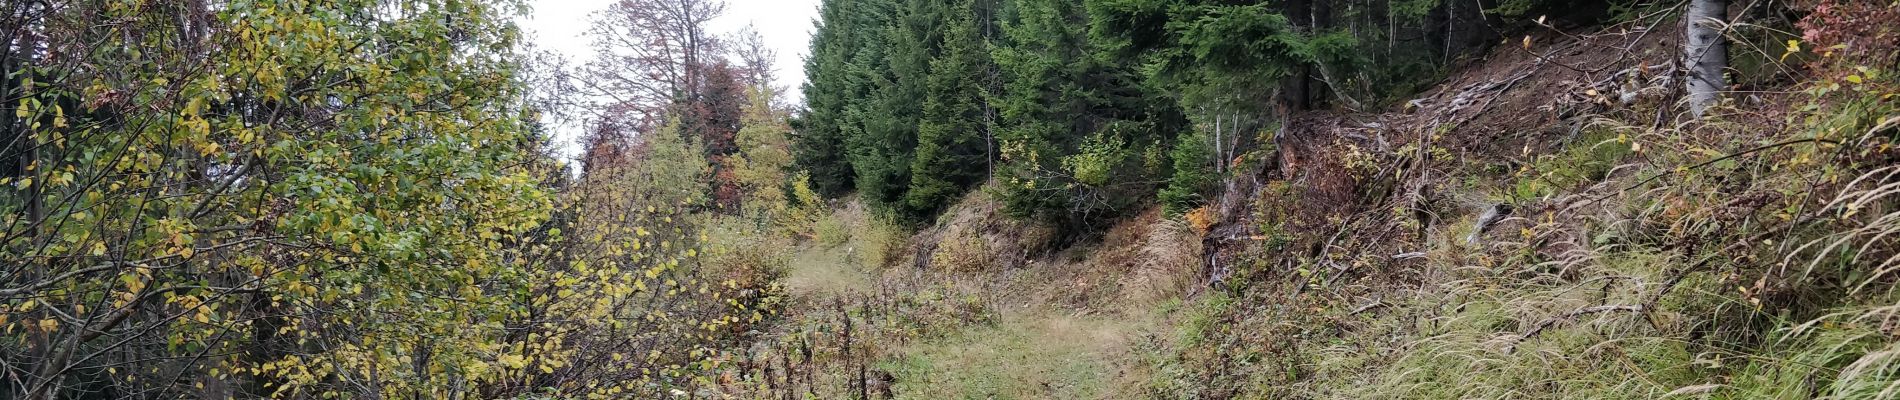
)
(1547, 223)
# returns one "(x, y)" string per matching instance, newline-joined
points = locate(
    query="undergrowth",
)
(1749, 255)
(1643, 254)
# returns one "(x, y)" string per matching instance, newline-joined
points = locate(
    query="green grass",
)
(822, 271)
(1587, 160)
(1028, 355)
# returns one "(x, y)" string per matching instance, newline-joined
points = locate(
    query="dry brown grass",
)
(1070, 321)
(975, 236)
(978, 305)
(1169, 262)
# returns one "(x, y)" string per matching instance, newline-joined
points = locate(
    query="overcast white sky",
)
(561, 25)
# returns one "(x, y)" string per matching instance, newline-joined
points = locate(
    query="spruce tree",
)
(820, 145)
(887, 79)
(951, 154)
(1069, 111)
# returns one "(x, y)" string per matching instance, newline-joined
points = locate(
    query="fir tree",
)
(951, 155)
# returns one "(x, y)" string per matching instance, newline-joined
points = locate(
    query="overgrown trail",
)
(817, 273)
(1026, 347)
(1029, 353)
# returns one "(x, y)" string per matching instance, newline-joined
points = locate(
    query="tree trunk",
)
(1705, 53)
(1295, 89)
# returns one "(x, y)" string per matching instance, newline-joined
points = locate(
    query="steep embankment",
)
(1545, 224)
(1549, 224)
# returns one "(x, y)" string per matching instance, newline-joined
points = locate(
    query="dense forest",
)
(1081, 111)
(1169, 199)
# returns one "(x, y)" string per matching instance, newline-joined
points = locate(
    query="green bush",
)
(830, 231)
(1587, 160)
(1193, 173)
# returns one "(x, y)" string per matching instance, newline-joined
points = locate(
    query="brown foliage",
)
(1857, 32)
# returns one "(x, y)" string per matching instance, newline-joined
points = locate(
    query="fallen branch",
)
(1572, 315)
(1368, 307)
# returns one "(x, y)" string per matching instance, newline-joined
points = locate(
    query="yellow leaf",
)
(476, 368)
(48, 325)
(132, 283)
(512, 361)
(1854, 78)
(99, 248)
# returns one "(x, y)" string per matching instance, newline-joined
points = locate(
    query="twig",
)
(1572, 315)
(1368, 307)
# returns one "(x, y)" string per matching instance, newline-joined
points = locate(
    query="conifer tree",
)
(888, 76)
(1062, 93)
(820, 146)
(951, 155)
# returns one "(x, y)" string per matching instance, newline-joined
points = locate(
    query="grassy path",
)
(1030, 351)
(818, 272)
(1026, 355)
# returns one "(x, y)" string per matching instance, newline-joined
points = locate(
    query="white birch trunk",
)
(1705, 53)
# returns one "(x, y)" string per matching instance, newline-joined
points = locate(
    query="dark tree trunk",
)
(1296, 89)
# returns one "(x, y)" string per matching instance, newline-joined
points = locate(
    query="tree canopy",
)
(1050, 99)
